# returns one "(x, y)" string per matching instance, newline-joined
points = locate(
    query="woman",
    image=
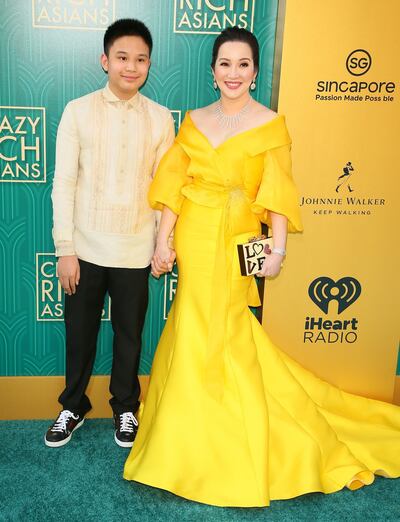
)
(229, 419)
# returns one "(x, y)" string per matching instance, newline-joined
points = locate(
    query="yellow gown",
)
(229, 419)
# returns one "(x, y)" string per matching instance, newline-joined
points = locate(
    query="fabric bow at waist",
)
(236, 217)
(212, 194)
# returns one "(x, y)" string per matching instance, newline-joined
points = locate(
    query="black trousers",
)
(128, 289)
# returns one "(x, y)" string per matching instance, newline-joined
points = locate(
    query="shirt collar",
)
(109, 96)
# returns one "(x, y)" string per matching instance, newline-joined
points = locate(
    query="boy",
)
(108, 145)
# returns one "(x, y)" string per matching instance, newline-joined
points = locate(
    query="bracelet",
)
(279, 251)
(170, 242)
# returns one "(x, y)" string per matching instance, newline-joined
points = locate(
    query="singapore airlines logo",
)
(73, 14)
(358, 62)
(212, 16)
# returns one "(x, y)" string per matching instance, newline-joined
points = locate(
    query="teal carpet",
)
(82, 482)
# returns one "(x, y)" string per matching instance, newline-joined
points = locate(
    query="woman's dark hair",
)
(236, 34)
(126, 27)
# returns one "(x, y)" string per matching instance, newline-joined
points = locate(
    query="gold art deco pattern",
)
(52, 56)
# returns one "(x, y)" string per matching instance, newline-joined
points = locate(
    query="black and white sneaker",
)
(61, 431)
(126, 427)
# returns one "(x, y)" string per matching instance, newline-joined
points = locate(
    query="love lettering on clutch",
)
(253, 253)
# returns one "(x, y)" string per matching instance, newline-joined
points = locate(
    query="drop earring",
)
(253, 85)
(215, 85)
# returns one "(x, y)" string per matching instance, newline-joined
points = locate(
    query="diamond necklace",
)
(230, 121)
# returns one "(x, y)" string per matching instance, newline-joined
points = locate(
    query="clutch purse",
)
(253, 253)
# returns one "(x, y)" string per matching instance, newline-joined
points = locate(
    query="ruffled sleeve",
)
(171, 176)
(277, 191)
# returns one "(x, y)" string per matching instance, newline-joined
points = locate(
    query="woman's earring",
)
(215, 85)
(253, 85)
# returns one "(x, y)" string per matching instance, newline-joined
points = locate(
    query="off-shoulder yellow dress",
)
(230, 419)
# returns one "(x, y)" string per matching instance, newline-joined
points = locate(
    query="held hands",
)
(69, 273)
(271, 266)
(163, 260)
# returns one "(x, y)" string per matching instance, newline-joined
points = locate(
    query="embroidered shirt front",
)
(106, 154)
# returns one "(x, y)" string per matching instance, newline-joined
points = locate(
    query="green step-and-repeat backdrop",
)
(50, 53)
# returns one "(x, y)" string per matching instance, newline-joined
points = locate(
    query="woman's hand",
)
(163, 260)
(164, 256)
(272, 265)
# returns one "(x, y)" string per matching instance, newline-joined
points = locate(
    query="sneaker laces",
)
(127, 421)
(63, 418)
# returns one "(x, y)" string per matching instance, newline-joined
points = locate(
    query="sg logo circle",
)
(358, 62)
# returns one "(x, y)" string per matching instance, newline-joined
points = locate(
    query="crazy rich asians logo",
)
(326, 294)
(177, 116)
(170, 284)
(23, 144)
(351, 89)
(73, 14)
(212, 16)
(49, 292)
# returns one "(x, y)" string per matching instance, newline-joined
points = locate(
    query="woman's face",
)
(234, 69)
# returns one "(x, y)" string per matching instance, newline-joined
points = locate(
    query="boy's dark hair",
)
(127, 27)
(236, 34)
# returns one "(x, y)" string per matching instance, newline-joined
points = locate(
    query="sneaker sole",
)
(122, 444)
(64, 441)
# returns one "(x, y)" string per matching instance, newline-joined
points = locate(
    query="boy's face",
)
(127, 64)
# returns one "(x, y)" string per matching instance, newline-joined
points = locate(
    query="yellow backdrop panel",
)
(334, 306)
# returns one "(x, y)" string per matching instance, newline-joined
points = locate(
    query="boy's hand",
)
(69, 273)
(163, 260)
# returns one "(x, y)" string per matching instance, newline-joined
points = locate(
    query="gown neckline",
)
(258, 127)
